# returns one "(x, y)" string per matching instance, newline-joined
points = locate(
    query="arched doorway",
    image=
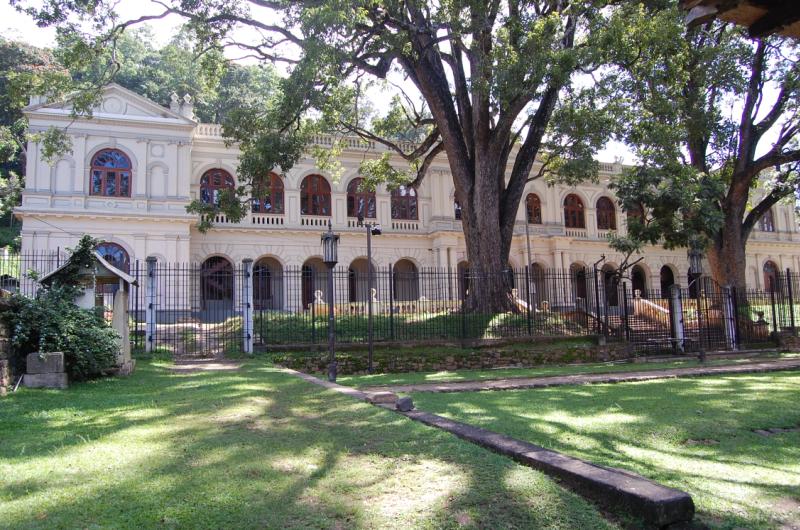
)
(267, 284)
(538, 286)
(216, 287)
(578, 275)
(610, 285)
(667, 280)
(358, 280)
(314, 278)
(639, 280)
(772, 277)
(406, 280)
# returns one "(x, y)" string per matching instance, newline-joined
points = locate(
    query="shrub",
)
(52, 322)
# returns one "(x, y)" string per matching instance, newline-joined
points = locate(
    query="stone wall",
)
(399, 361)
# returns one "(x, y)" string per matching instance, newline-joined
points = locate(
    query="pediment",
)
(120, 103)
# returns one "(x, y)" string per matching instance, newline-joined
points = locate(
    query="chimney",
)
(174, 103)
(38, 99)
(187, 108)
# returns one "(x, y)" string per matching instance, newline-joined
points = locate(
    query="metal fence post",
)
(790, 292)
(729, 315)
(150, 307)
(391, 302)
(625, 322)
(597, 302)
(774, 311)
(735, 301)
(528, 297)
(247, 305)
(676, 305)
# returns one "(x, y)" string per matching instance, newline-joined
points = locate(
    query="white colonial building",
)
(136, 165)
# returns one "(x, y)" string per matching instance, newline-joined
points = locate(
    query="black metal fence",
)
(291, 305)
(217, 308)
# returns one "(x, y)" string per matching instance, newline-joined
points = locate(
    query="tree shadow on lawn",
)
(254, 448)
(646, 428)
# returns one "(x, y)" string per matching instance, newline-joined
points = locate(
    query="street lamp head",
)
(360, 219)
(330, 243)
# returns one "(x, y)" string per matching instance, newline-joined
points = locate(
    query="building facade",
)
(136, 165)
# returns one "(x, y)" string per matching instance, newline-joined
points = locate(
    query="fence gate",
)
(190, 309)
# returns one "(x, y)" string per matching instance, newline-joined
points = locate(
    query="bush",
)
(52, 322)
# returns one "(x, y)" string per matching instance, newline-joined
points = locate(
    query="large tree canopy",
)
(713, 117)
(491, 84)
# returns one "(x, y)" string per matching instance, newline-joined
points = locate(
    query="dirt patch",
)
(702, 441)
(772, 431)
(205, 366)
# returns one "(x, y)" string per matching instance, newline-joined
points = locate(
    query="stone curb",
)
(655, 504)
(588, 379)
(651, 502)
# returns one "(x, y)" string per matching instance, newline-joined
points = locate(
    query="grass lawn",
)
(692, 434)
(539, 371)
(253, 448)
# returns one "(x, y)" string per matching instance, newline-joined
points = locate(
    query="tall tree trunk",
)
(726, 254)
(488, 243)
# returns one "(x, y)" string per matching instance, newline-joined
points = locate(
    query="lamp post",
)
(696, 271)
(330, 242)
(373, 229)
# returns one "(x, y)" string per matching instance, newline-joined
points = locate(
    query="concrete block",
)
(45, 380)
(45, 363)
(658, 506)
(125, 369)
(381, 398)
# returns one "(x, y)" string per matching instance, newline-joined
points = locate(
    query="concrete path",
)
(586, 379)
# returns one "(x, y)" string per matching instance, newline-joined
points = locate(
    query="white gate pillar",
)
(676, 314)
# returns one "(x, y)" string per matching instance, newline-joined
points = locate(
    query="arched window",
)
(360, 202)
(573, 212)
(213, 183)
(111, 174)
(767, 222)
(315, 196)
(457, 210)
(606, 214)
(772, 277)
(404, 203)
(115, 255)
(533, 209)
(268, 195)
